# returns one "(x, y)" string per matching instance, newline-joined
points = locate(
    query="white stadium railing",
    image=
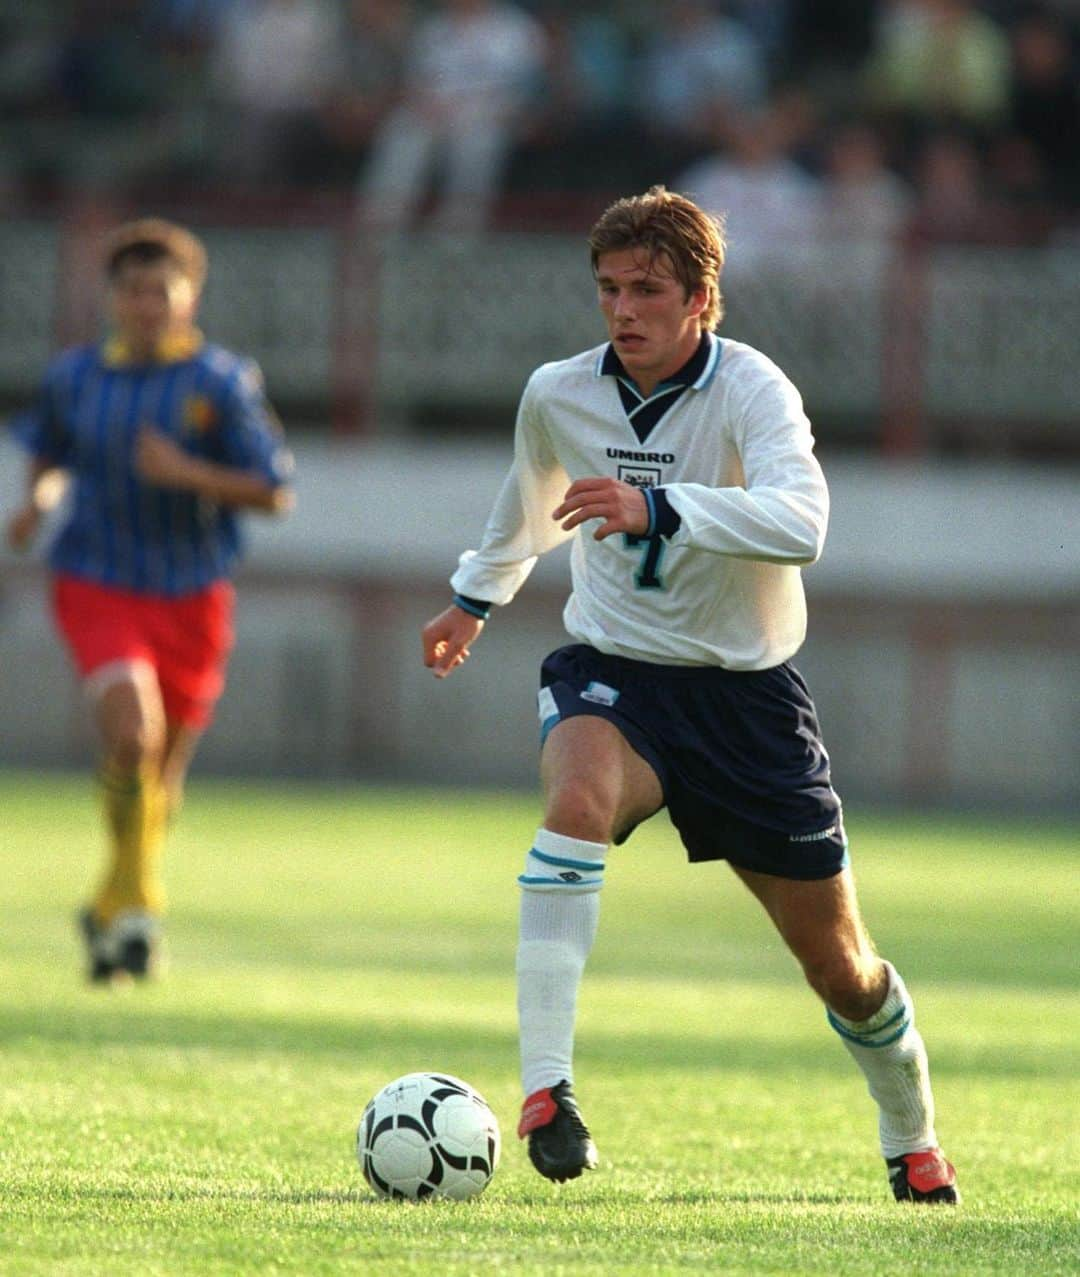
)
(890, 343)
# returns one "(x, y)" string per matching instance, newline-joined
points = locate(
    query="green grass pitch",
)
(324, 941)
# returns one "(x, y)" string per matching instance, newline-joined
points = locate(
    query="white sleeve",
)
(520, 527)
(781, 511)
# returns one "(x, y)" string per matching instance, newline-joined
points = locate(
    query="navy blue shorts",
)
(738, 754)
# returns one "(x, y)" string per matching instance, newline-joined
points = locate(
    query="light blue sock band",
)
(887, 1025)
(558, 863)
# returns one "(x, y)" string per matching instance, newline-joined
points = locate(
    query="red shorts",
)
(185, 640)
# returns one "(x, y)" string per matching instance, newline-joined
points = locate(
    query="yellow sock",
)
(135, 811)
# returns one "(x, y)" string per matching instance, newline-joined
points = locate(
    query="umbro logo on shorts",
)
(600, 694)
(824, 833)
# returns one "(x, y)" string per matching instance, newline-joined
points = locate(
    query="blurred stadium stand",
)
(905, 347)
(926, 300)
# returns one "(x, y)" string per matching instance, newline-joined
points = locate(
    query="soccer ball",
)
(428, 1135)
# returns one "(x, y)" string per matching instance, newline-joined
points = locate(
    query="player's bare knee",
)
(846, 981)
(125, 757)
(132, 745)
(577, 810)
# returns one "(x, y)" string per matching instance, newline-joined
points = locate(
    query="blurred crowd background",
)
(867, 112)
(394, 195)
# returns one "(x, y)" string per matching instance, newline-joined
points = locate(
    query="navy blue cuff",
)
(650, 506)
(664, 519)
(474, 607)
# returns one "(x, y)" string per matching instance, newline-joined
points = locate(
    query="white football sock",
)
(560, 908)
(890, 1051)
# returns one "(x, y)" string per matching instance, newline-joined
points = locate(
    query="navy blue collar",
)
(643, 414)
(688, 375)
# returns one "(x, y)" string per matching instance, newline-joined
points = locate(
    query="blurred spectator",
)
(27, 81)
(864, 201)
(952, 203)
(770, 204)
(1044, 99)
(361, 86)
(697, 69)
(770, 23)
(471, 69)
(939, 62)
(471, 97)
(105, 70)
(99, 114)
(828, 40)
(586, 62)
(578, 133)
(191, 22)
(186, 33)
(1018, 176)
(269, 69)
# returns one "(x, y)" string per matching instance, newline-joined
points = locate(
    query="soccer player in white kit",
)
(682, 467)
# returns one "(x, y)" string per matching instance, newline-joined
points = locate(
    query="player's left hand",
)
(621, 506)
(159, 460)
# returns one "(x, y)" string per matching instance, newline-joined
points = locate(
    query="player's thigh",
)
(595, 784)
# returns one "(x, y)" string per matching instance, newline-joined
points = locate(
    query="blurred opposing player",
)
(682, 466)
(163, 439)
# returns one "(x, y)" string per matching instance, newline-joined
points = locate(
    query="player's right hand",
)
(620, 506)
(23, 526)
(447, 639)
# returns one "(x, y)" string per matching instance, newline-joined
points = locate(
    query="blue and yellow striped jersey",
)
(119, 529)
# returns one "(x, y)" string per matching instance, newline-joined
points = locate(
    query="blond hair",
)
(152, 239)
(671, 226)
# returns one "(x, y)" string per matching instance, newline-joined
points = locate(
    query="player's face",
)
(150, 300)
(654, 326)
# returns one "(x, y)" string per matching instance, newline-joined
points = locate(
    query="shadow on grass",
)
(729, 1197)
(205, 943)
(131, 1027)
(475, 946)
(219, 1192)
(362, 1197)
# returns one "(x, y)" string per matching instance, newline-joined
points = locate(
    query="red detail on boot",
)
(929, 1170)
(538, 1110)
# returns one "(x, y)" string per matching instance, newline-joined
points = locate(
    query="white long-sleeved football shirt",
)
(734, 455)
